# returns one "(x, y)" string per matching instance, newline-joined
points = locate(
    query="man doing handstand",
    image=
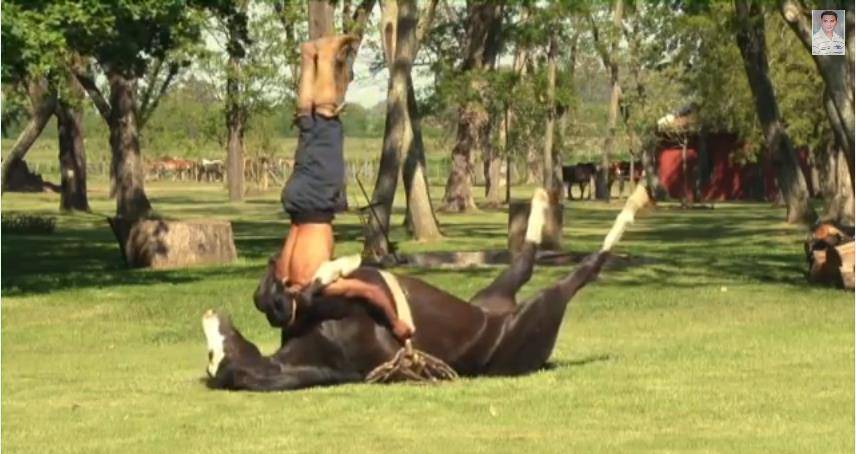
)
(315, 190)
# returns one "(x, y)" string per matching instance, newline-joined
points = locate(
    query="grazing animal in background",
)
(332, 340)
(210, 170)
(178, 168)
(581, 175)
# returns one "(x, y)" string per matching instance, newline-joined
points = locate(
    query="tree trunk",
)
(494, 176)
(42, 106)
(420, 219)
(72, 154)
(507, 124)
(602, 190)
(483, 22)
(549, 184)
(839, 204)
(750, 40)
(836, 71)
(235, 123)
(126, 165)
(401, 49)
(534, 173)
(321, 19)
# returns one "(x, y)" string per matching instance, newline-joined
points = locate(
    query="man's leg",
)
(312, 247)
(306, 86)
(374, 295)
(283, 262)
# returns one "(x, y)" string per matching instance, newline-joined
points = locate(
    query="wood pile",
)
(830, 255)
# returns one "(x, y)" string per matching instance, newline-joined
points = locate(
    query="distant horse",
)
(581, 175)
(210, 170)
(178, 168)
(335, 340)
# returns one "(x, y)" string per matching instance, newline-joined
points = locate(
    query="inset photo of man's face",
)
(828, 22)
(827, 28)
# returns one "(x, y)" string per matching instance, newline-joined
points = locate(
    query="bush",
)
(28, 225)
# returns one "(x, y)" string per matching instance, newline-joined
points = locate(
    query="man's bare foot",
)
(332, 73)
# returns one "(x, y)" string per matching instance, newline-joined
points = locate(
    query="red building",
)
(712, 162)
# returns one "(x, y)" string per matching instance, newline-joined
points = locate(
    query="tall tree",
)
(36, 61)
(72, 154)
(253, 53)
(420, 220)
(234, 16)
(608, 52)
(42, 105)
(550, 183)
(836, 71)
(131, 42)
(749, 17)
(484, 18)
(402, 28)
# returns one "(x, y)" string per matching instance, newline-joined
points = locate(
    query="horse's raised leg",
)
(499, 296)
(531, 332)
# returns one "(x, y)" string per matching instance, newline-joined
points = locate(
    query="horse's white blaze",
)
(211, 326)
(540, 203)
(332, 270)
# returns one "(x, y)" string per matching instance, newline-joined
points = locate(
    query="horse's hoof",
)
(215, 339)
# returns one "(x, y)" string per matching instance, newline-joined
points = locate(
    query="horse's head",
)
(272, 298)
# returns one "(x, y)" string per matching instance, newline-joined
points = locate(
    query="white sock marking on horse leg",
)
(637, 200)
(535, 227)
(332, 270)
(211, 326)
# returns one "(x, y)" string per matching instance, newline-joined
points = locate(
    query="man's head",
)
(828, 20)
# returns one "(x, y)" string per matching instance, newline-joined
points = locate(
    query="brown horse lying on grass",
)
(334, 340)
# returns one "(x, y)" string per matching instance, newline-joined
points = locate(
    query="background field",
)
(715, 343)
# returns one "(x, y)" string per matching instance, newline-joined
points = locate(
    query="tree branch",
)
(796, 15)
(87, 80)
(152, 77)
(145, 111)
(426, 18)
(598, 44)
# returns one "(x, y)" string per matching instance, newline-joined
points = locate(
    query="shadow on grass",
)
(563, 363)
(75, 258)
(668, 248)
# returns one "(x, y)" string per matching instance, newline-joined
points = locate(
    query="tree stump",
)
(159, 244)
(518, 219)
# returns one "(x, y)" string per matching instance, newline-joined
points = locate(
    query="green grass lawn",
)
(714, 343)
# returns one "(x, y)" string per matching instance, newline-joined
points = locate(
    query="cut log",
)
(160, 244)
(832, 265)
(518, 219)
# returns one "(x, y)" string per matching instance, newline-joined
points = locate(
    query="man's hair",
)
(829, 13)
